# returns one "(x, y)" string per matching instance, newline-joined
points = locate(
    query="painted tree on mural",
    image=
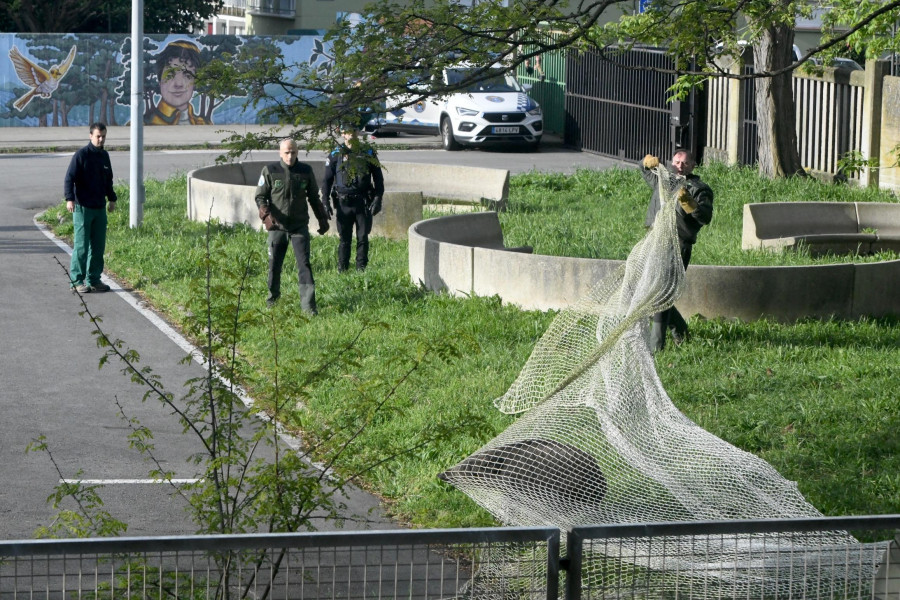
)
(94, 87)
(123, 84)
(106, 55)
(87, 84)
(110, 16)
(215, 47)
(397, 47)
(258, 64)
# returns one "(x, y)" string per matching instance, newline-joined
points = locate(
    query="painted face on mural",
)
(176, 86)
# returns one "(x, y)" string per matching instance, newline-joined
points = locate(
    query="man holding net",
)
(693, 210)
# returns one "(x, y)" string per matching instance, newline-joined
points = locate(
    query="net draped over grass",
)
(817, 400)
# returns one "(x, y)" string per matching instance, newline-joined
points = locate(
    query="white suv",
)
(494, 111)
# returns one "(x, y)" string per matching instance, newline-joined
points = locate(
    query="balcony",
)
(234, 8)
(271, 8)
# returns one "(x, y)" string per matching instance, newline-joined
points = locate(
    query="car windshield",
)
(496, 81)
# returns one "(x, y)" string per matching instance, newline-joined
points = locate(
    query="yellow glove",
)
(687, 202)
(650, 162)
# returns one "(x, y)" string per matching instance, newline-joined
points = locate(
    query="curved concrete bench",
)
(448, 254)
(226, 192)
(823, 227)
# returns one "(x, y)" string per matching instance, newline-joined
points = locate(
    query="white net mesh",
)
(601, 442)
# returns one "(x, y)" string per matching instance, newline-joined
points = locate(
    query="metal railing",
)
(834, 558)
(347, 565)
(277, 8)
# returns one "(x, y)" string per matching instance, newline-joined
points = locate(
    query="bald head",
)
(287, 150)
(683, 162)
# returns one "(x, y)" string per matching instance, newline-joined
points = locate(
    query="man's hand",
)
(110, 206)
(270, 222)
(329, 212)
(70, 205)
(687, 202)
(323, 227)
(650, 162)
(376, 205)
(266, 217)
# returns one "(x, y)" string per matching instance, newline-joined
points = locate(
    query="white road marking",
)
(127, 481)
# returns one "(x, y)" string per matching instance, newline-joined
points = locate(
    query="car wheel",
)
(447, 140)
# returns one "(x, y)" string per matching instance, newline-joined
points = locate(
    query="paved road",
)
(49, 380)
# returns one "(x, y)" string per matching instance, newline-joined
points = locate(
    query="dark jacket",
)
(356, 177)
(289, 192)
(89, 179)
(688, 224)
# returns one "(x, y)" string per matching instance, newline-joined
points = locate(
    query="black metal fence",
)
(835, 558)
(619, 106)
(748, 153)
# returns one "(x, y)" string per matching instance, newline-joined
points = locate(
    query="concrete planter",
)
(226, 192)
(443, 260)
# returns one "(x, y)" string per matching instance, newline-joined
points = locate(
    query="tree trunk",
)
(776, 116)
(111, 110)
(103, 106)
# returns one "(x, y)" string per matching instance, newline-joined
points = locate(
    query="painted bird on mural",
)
(42, 82)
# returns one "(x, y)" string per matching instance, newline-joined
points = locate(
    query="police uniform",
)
(354, 184)
(687, 225)
(283, 195)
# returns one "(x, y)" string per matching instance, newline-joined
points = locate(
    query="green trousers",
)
(90, 243)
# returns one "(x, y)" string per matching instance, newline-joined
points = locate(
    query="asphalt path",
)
(50, 383)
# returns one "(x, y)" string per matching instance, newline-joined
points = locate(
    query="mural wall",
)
(67, 80)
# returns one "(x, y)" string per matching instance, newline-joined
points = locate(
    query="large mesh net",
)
(599, 441)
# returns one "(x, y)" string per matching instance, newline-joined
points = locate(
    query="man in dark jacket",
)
(693, 211)
(354, 184)
(87, 187)
(284, 194)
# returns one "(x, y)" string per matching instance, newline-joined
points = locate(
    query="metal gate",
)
(749, 150)
(620, 107)
(546, 74)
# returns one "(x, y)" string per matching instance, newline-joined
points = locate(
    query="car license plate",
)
(505, 130)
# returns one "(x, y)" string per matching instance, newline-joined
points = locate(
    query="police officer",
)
(285, 191)
(694, 210)
(354, 184)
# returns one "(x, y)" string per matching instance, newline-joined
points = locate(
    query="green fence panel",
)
(547, 75)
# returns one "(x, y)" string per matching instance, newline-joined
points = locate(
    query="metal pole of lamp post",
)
(136, 187)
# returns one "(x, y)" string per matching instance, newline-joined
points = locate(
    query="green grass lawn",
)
(818, 400)
(594, 215)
